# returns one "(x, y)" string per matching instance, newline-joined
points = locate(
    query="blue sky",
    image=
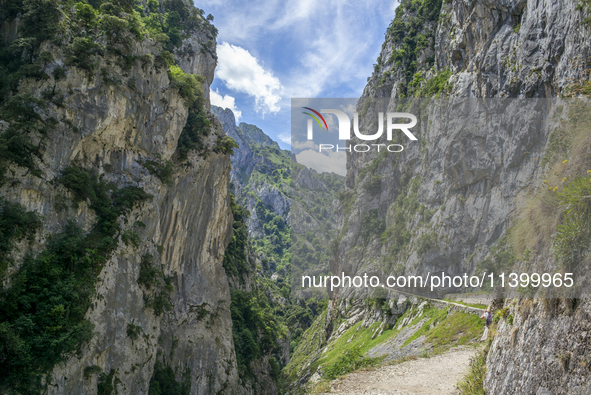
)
(272, 50)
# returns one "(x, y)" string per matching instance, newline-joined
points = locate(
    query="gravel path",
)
(437, 375)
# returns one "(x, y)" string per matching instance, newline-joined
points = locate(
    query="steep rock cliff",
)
(447, 201)
(469, 196)
(115, 119)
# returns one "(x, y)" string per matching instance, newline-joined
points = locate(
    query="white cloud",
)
(295, 11)
(332, 162)
(302, 145)
(240, 21)
(302, 48)
(337, 54)
(242, 72)
(285, 137)
(225, 101)
(328, 40)
(349, 109)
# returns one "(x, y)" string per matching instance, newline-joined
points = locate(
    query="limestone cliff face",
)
(467, 184)
(543, 351)
(514, 48)
(112, 129)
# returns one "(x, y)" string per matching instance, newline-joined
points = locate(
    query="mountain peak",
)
(247, 133)
(253, 135)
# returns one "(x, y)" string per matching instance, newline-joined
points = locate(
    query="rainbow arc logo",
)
(316, 118)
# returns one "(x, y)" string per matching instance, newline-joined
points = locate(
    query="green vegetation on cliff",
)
(16, 223)
(256, 326)
(196, 128)
(22, 142)
(557, 218)
(316, 214)
(269, 319)
(255, 329)
(262, 316)
(157, 286)
(236, 261)
(272, 170)
(412, 32)
(80, 30)
(164, 382)
(42, 313)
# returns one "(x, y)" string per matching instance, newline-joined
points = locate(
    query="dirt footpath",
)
(433, 376)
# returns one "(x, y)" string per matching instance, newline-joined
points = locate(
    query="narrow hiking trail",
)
(437, 375)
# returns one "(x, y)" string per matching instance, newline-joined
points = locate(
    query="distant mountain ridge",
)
(277, 191)
(260, 171)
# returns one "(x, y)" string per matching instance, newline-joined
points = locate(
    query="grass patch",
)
(359, 339)
(473, 382)
(361, 342)
(350, 361)
(441, 330)
(456, 329)
(574, 234)
(558, 213)
(433, 316)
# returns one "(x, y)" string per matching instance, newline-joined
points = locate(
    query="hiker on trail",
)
(487, 316)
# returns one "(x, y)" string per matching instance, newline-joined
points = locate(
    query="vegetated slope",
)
(383, 331)
(115, 204)
(449, 201)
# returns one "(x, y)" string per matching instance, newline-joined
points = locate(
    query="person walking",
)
(487, 316)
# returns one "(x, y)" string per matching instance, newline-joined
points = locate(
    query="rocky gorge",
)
(148, 243)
